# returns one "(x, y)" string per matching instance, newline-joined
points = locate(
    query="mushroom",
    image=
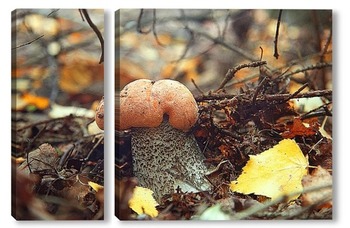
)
(99, 115)
(165, 155)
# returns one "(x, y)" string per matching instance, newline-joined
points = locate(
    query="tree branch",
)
(96, 30)
(276, 36)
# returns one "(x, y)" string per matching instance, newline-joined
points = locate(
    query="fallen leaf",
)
(301, 128)
(274, 173)
(43, 158)
(142, 202)
(95, 186)
(76, 192)
(59, 111)
(321, 178)
(28, 99)
(214, 213)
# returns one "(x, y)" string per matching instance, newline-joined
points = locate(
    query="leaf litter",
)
(62, 167)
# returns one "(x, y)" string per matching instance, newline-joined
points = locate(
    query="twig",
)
(230, 47)
(191, 40)
(258, 89)
(29, 42)
(261, 53)
(297, 92)
(52, 12)
(317, 112)
(51, 120)
(93, 148)
(231, 72)
(154, 29)
(268, 97)
(255, 209)
(290, 64)
(316, 93)
(96, 30)
(325, 49)
(312, 67)
(227, 20)
(30, 142)
(139, 28)
(195, 85)
(276, 36)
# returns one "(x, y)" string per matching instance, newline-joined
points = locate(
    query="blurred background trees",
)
(55, 55)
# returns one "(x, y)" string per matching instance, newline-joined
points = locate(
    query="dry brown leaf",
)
(318, 178)
(301, 128)
(43, 158)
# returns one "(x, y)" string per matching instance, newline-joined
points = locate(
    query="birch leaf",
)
(142, 202)
(95, 186)
(274, 173)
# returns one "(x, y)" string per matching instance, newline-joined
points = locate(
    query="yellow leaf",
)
(95, 186)
(274, 173)
(142, 202)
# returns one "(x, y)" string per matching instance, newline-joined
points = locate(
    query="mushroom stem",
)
(165, 158)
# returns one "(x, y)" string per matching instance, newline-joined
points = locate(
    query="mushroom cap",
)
(143, 103)
(99, 115)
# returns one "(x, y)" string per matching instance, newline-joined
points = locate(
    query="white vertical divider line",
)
(109, 80)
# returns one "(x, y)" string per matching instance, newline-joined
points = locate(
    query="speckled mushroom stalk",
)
(165, 155)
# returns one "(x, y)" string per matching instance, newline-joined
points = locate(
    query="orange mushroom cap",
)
(99, 115)
(143, 103)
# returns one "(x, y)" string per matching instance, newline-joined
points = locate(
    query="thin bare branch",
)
(195, 85)
(231, 72)
(154, 29)
(29, 42)
(230, 47)
(139, 27)
(96, 30)
(325, 49)
(297, 92)
(276, 36)
(268, 97)
(312, 67)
